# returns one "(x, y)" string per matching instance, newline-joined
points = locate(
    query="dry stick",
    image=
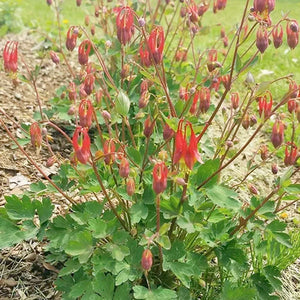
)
(106, 194)
(35, 164)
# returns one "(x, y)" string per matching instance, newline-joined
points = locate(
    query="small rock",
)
(18, 96)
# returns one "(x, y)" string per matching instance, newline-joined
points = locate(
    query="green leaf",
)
(18, 209)
(263, 286)
(140, 292)
(122, 292)
(223, 197)
(80, 245)
(98, 228)
(204, 171)
(78, 289)
(44, 209)
(230, 292)
(293, 188)
(164, 241)
(138, 211)
(104, 285)
(117, 252)
(38, 187)
(10, 233)
(176, 252)
(71, 266)
(134, 154)
(182, 271)
(198, 263)
(272, 273)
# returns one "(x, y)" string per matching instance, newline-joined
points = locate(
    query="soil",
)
(24, 274)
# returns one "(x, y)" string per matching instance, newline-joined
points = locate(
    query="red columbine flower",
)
(83, 52)
(262, 40)
(212, 59)
(291, 154)
(292, 105)
(265, 108)
(204, 99)
(147, 260)
(109, 151)
(293, 89)
(193, 108)
(277, 34)
(156, 42)
(168, 132)
(72, 91)
(144, 55)
(125, 26)
(188, 152)
(130, 186)
(160, 173)
(235, 98)
(72, 35)
(35, 135)
(219, 5)
(277, 133)
(203, 7)
(292, 31)
(225, 79)
(148, 127)
(10, 56)
(193, 12)
(81, 144)
(85, 112)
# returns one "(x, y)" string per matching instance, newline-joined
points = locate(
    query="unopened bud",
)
(253, 120)
(122, 104)
(253, 190)
(246, 121)
(130, 186)
(141, 22)
(180, 181)
(50, 161)
(54, 57)
(274, 169)
(108, 44)
(249, 78)
(147, 260)
(125, 71)
(87, 20)
(264, 152)
(106, 115)
(229, 144)
(71, 110)
(124, 168)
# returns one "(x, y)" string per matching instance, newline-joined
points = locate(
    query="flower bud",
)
(168, 132)
(85, 113)
(71, 110)
(229, 144)
(49, 2)
(35, 135)
(72, 91)
(50, 161)
(277, 34)
(72, 35)
(148, 127)
(249, 78)
(235, 99)
(93, 29)
(54, 57)
(262, 40)
(204, 96)
(274, 169)
(124, 168)
(83, 52)
(88, 84)
(160, 173)
(86, 20)
(106, 115)
(180, 181)
(130, 186)
(292, 104)
(125, 71)
(277, 136)
(122, 104)
(108, 44)
(141, 22)
(109, 150)
(264, 152)
(78, 2)
(291, 154)
(97, 9)
(246, 121)
(147, 260)
(144, 99)
(292, 31)
(253, 190)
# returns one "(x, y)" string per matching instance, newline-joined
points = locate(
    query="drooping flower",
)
(148, 127)
(54, 57)
(81, 144)
(72, 35)
(291, 154)
(35, 135)
(265, 108)
(88, 84)
(10, 56)
(235, 99)
(109, 151)
(204, 99)
(277, 136)
(125, 25)
(85, 112)
(124, 167)
(262, 40)
(144, 55)
(130, 186)
(277, 34)
(83, 52)
(292, 32)
(156, 42)
(160, 173)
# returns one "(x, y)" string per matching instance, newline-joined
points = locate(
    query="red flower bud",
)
(291, 154)
(226, 81)
(246, 121)
(106, 115)
(160, 173)
(81, 144)
(50, 161)
(78, 2)
(125, 71)
(293, 89)
(168, 132)
(88, 84)
(130, 186)
(235, 99)
(262, 40)
(36, 135)
(147, 260)
(125, 25)
(219, 5)
(144, 99)
(156, 42)
(277, 136)
(83, 52)
(54, 57)
(292, 31)
(85, 112)
(97, 9)
(109, 150)
(72, 35)
(292, 105)
(277, 34)
(124, 168)
(144, 86)
(253, 190)
(72, 91)
(148, 127)
(203, 7)
(144, 55)
(274, 169)
(86, 20)
(49, 2)
(264, 152)
(10, 56)
(93, 29)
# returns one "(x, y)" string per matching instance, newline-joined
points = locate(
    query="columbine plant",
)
(158, 121)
